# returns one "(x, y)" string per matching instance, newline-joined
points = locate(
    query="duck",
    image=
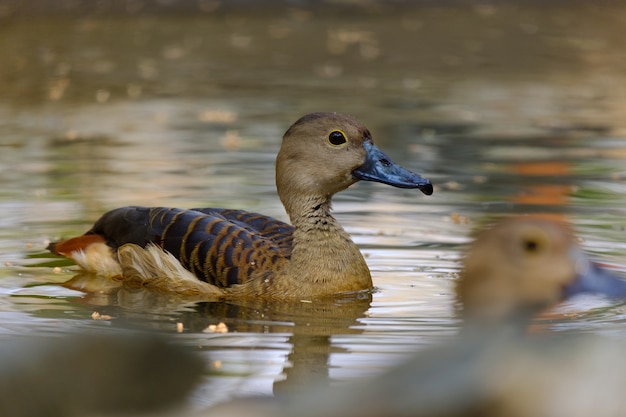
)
(513, 270)
(525, 264)
(96, 372)
(228, 253)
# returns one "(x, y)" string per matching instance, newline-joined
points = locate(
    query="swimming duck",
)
(234, 253)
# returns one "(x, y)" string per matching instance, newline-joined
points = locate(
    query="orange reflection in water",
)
(543, 194)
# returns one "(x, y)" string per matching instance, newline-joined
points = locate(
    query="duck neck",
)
(312, 214)
(323, 251)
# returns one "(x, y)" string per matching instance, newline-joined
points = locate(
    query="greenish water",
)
(506, 109)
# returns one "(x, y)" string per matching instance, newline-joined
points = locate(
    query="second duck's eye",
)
(531, 245)
(337, 137)
(534, 244)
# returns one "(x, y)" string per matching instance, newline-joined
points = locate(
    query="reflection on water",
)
(507, 109)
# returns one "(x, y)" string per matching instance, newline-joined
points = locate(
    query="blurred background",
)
(508, 107)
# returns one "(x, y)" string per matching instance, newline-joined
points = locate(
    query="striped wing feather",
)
(220, 246)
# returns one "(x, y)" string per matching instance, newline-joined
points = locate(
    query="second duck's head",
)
(525, 264)
(324, 153)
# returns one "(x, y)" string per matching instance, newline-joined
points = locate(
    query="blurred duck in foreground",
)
(221, 253)
(95, 374)
(511, 272)
(524, 265)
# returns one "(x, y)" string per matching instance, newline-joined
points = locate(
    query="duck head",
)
(525, 264)
(324, 153)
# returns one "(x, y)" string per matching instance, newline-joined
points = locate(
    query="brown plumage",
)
(234, 253)
(524, 264)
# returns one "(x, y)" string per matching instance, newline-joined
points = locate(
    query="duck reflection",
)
(310, 324)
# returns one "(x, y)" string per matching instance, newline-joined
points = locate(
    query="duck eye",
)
(530, 245)
(533, 243)
(337, 137)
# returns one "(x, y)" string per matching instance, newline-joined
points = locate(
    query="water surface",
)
(507, 109)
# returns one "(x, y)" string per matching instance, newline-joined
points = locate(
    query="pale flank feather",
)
(155, 268)
(98, 258)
